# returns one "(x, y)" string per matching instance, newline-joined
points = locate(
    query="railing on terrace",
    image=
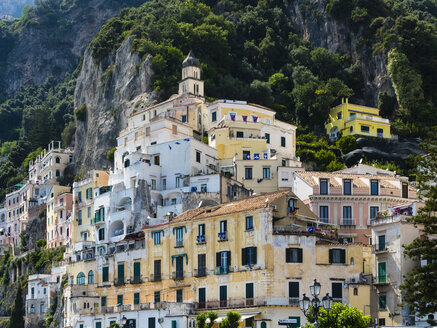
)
(231, 303)
(291, 230)
(387, 219)
(347, 222)
(379, 248)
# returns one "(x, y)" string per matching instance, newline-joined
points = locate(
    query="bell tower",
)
(191, 84)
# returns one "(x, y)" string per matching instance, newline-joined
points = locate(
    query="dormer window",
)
(323, 186)
(347, 187)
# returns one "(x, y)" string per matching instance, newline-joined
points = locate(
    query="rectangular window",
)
(179, 236)
(293, 255)
(105, 274)
(248, 173)
(374, 212)
(89, 211)
(374, 187)
(249, 222)
(173, 324)
(179, 295)
(381, 243)
(79, 217)
(153, 186)
(404, 190)
(120, 273)
(337, 256)
(198, 156)
(152, 322)
(202, 298)
(137, 271)
(382, 273)
(266, 172)
(136, 298)
(119, 300)
(213, 116)
(347, 215)
(201, 230)
(184, 118)
(382, 302)
(323, 186)
(246, 155)
(164, 184)
(157, 296)
(41, 308)
(223, 260)
(347, 187)
(240, 134)
(293, 292)
(79, 196)
(365, 129)
(267, 136)
(223, 226)
(381, 322)
(102, 234)
(282, 141)
(337, 291)
(201, 265)
(178, 182)
(157, 238)
(157, 270)
(223, 296)
(324, 213)
(156, 160)
(98, 325)
(248, 256)
(249, 293)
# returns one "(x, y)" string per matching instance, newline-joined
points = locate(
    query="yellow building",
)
(349, 119)
(52, 217)
(256, 256)
(251, 144)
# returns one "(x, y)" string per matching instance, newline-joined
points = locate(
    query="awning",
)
(244, 316)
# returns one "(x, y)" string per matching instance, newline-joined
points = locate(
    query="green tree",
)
(17, 316)
(202, 318)
(232, 320)
(347, 144)
(341, 315)
(419, 288)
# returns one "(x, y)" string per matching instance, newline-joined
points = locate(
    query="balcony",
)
(293, 301)
(119, 281)
(98, 219)
(201, 239)
(231, 303)
(222, 270)
(59, 207)
(136, 280)
(379, 248)
(155, 277)
(177, 275)
(381, 280)
(179, 243)
(347, 222)
(223, 236)
(200, 272)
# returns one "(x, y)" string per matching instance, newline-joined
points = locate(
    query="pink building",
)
(59, 210)
(350, 201)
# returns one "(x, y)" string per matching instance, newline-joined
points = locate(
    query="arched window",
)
(58, 160)
(81, 278)
(91, 277)
(263, 324)
(58, 173)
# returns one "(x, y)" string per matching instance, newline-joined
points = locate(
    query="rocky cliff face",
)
(41, 51)
(110, 90)
(312, 22)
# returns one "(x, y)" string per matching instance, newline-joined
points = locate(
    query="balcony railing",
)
(223, 236)
(98, 219)
(136, 280)
(200, 272)
(177, 275)
(179, 243)
(119, 281)
(379, 248)
(347, 222)
(155, 277)
(231, 303)
(222, 269)
(201, 239)
(381, 280)
(293, 300)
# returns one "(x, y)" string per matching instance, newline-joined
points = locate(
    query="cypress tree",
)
(17, 316)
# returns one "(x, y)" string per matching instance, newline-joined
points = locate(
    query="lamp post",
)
(316, 304)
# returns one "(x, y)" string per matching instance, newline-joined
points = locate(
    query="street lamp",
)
(316, 304)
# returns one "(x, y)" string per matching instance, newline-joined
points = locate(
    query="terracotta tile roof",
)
(247, 204)
(359, 180)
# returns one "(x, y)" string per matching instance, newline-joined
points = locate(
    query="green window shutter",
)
(382, 274)
(103, 301)
(137, 269)
(218, 259)
(263, 324)
(343, 256)
(331, 255)
(244, 256)
(173, 324)
(119, 299)
(98, 325)
(151, 323)
(137, 298)
(105, 274)
(120, 273)
(299, 255)
(297, 324)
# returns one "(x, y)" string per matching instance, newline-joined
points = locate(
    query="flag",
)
(169, 147)
(255, 119)
(232, 117)
(245, 118)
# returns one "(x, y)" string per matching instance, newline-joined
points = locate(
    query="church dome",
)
(191, 60)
